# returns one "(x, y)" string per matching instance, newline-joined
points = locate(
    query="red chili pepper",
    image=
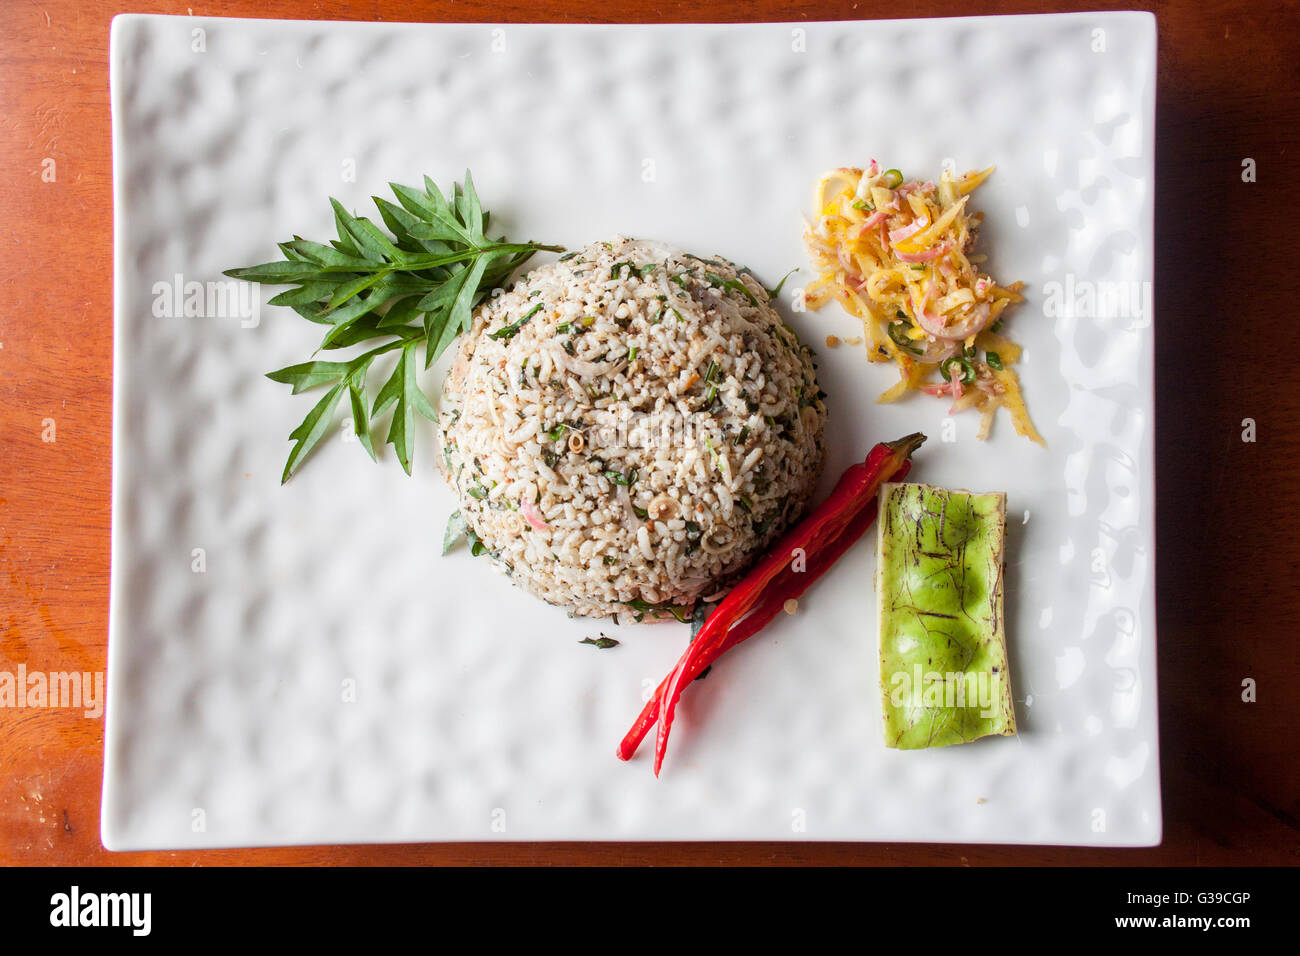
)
(822, 538)
(756, 620)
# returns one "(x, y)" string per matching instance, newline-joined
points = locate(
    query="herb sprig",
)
(416, 289)
(641, 607)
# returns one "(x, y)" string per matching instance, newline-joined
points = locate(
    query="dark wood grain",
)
(1227, 560)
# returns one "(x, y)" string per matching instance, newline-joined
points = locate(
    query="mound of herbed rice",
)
(628, 427)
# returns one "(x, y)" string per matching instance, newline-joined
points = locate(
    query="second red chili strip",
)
(822, 537)
(752, 623)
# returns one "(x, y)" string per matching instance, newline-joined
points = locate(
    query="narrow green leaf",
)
(310, 432)
(290, 253)
(455, 531)
(436, 323)
(372, 238)
(347, 240)
(424, 406)
(439, 306)
(309, 374)
(324, 255)
(470, 209)
(444, 295)
(364, 329)
(391, 390)
(461, 315)
(344, 315)
(344, 333)
(442, 228)
(398, 220)
(401, 431)
(411, 388)
(311, 312)
(401, 312)
(306, 294)
(434, 196)
(414, 201)
(508, 332)
(345, 292)
(774, 292)
(345, 244)
(360, 420)
(276, 273)
(734, 285)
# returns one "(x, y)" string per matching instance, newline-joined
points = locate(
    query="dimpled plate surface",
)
(299, 664)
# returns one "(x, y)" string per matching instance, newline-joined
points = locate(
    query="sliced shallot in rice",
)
(532, 515)
(582, 368)
(625, 499)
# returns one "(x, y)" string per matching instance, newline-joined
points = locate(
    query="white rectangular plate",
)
(298, 664)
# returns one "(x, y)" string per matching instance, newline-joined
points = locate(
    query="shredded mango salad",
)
(897, 254)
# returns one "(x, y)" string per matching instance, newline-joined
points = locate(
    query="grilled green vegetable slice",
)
(943, 657)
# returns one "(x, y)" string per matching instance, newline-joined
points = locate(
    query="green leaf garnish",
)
(456, 527)
(734, 285)
(311, 430)
(414, 287)
(309, 375)
(776, 290)
(506, 333)
(680, 612)
(618, 478)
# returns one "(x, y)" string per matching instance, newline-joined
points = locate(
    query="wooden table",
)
(1228, 558)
